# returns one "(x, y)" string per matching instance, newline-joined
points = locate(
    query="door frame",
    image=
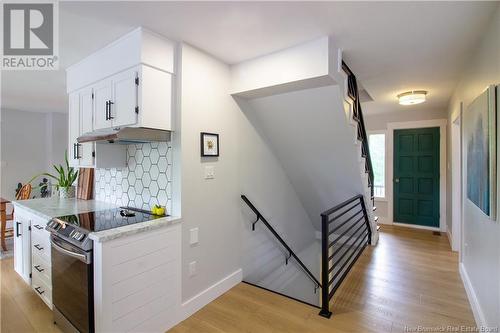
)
(456, 181)
(441, 123)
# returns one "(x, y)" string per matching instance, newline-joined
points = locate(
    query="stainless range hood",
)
(125, 135)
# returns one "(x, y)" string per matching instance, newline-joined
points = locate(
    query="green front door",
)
(416, 176)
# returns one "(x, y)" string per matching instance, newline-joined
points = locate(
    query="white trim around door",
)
(441, 123)
(456, 181)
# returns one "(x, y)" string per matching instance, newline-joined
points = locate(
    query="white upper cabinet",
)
(124, 106)
(102, 96)
(131, 79)
(86, 150)
(116, 100)
(81, 106)
(74, 128)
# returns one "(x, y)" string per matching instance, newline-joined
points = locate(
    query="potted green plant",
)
(65, 179)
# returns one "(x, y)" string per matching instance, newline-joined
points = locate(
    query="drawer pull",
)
(37, 267)
(39, 291)
(38, 247)
(38, 227)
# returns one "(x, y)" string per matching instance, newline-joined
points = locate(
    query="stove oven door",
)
(72, 286)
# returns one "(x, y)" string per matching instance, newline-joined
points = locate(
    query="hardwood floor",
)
(21, 310)
(409, 279)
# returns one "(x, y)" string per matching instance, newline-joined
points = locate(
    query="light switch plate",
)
(209, 172)
(193, 236)
(192, 268)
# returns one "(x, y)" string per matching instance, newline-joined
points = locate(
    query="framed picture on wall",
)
(209, 144)
(480, 140)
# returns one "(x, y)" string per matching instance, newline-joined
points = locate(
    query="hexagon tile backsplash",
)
(147, 179)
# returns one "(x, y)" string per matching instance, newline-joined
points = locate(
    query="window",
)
(376, 142)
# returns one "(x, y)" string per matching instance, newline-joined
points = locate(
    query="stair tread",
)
(378, 228)
(375, 218)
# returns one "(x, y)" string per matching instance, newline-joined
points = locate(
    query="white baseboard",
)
(415, 226)
(471, 295)
(197, 302)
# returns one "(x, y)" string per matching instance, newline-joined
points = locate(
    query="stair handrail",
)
(353, 92)
(328, 218)
(278, 237)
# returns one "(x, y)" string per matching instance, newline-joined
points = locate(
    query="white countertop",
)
(53, 207)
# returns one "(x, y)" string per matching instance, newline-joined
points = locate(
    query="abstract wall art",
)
(480, 141)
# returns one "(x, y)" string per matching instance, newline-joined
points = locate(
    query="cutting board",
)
(85, 183)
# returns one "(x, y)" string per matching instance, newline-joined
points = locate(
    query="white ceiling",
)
(391, 46)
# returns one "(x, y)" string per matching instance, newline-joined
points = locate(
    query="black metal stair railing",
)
(353, 92)
(290, 252)
(345, 232)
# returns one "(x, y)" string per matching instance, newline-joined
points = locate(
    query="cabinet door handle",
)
(107, 110)
(18, 234)
(110, 104)
(74, 150)
(37, 267)
(38, 247)
(38, 290)
(78, 145)
(38, 227)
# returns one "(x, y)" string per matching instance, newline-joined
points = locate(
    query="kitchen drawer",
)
(38, 228)
(42, 289)
(40, 245)
(42, 268)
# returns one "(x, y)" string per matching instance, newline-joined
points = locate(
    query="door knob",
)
(396, 180)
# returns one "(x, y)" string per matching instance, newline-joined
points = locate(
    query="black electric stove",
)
(76, 228)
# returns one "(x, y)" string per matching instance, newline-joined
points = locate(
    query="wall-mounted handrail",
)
(278, 237)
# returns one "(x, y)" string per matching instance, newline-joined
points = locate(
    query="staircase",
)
(303, 104)
(356, 120)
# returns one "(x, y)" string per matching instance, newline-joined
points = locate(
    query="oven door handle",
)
(79, 256)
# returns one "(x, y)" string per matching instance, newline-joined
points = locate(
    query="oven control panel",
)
(67, 231)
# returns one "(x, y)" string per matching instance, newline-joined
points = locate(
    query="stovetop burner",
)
(75, 228)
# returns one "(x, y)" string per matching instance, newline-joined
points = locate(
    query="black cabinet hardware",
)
(74, 151)
(110, 116)
(78, 145)
(107, 110)
(37, 267)
(18, 234)
(39, 291)
(38, 227)
(38, 247)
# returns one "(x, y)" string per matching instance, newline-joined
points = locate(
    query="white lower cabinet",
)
(137, 281)
(22, 245)
(32, 256)
(41, 280)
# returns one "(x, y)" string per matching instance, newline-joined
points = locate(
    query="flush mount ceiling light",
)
(412, 97)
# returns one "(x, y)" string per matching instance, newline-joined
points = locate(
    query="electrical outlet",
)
(192, 268)
(193, 236)
(209, 172)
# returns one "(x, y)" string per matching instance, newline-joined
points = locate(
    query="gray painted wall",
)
(481, 256)
(30, 143)
(245, 165)
(310, 135)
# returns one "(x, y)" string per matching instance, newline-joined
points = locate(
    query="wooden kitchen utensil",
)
(85, 183)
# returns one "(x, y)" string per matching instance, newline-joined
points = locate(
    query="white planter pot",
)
(66, 192)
